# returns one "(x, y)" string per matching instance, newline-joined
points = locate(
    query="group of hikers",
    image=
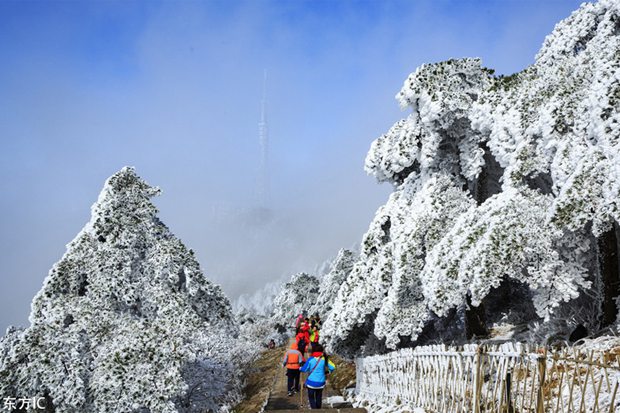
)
(317, 365)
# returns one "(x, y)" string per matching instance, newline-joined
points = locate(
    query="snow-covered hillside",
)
(125, 321)
(506, 198)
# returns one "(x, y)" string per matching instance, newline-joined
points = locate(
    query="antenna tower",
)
(263, 140)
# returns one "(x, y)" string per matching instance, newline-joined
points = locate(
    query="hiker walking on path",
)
(303, 339)
(317, 321)
(299, 319)
(292, 360)
(317, 367)
(314, 334)
(315, 326)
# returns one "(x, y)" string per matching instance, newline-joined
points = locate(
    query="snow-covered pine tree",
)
(506, 237)
(384, 289)
(423, 156)
(533, 165)
(260, 301)
(339, 270)
(295, 296)
(125, 321)
(556, 126)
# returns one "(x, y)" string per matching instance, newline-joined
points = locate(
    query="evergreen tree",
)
(125, 321)
(330, 284)
(498, 180)
(295, 296)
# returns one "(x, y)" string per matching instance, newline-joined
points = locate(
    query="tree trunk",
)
(487, 183)
(610, 274)
(475, 324)
(482, 188)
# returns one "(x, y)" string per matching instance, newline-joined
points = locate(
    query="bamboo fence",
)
(507, 378)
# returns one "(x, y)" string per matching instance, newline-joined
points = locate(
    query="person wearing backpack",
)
(318, 366)
(303, 339)
(292, 361)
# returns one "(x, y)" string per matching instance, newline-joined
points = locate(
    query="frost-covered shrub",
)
(256, 325)
(125, 321)
(437, 134)
(565, 107)
(256, 331)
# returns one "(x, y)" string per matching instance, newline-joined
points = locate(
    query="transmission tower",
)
(263, 140)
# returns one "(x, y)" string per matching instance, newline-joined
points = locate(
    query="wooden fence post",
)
(542, 370)
(507, 385)
(478, 380)
(358, 374)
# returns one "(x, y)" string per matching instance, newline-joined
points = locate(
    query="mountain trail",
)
(332, 400)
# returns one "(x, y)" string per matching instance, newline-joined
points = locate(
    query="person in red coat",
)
(302, 338)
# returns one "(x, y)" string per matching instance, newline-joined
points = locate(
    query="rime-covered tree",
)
(556, 125)
(125, 321)
(506, 237)
(533, 165)
(259, 301)
(330, 284)
(295, 296)
(383, 288)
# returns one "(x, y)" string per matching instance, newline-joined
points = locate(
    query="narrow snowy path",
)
(281, 402)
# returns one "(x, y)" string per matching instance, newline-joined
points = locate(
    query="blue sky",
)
(174, 89)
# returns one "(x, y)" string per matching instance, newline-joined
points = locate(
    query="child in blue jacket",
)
(317, 366)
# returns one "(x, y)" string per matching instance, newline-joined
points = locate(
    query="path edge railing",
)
(511, 377)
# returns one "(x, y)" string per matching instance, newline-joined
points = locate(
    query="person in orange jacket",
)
(293, 360)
